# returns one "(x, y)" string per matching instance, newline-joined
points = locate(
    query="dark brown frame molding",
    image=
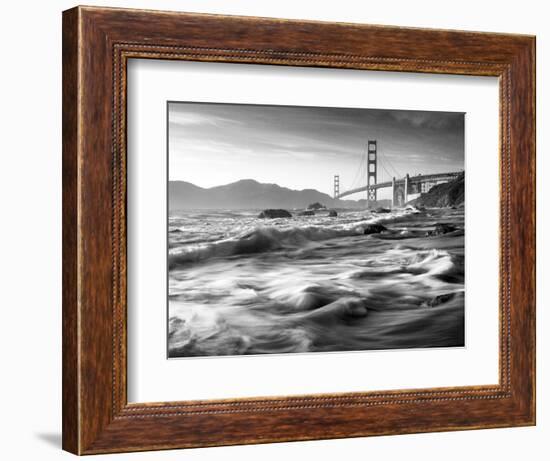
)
(97, 43)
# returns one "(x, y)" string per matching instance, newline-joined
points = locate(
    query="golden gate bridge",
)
(403, 186)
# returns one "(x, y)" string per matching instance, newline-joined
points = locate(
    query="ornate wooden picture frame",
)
(97, 44)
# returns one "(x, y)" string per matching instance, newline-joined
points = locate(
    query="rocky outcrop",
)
(332, 214)
(274, 213)
(316, 206)
(449, 194)
(306, 213)
(381, 210)
(374, 229)
(441, 229)
(415, 209)
(440, 299)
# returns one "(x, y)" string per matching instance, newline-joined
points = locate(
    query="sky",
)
(304, 147)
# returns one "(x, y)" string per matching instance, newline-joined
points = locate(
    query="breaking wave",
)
(263, 239)
(238, 287)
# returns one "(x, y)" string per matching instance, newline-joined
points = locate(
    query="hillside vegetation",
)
(443, 195)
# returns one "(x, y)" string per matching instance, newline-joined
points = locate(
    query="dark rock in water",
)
(415, 208)
(175, 324)
(355, 309)
(307, 213)
(332, 214)
(374, 229)
(274, 213)
(440, 299)
(316, 206)
(381, 210)
(441, 229)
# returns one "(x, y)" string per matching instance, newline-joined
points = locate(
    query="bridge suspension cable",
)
(384, 168)
(387, 160)
(366, 178)
(361, 171)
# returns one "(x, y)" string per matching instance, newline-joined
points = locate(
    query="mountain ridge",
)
(251, 194)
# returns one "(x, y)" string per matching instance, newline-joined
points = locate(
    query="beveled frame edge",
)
(97, 43)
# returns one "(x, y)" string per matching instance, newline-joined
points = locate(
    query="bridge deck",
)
(412, 180)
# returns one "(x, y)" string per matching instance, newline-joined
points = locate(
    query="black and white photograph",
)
(296, 229)
(275, 230)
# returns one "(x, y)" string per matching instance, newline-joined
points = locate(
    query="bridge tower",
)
(400, 191)
(394, 199)
(372, 168)
(336, 185)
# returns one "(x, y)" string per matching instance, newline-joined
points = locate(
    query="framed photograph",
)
(281, 230)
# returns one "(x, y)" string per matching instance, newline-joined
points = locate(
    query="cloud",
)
(293, 145)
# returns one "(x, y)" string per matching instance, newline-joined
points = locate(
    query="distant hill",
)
(442, 195)
(250, 194)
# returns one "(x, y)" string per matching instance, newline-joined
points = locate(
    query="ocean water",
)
(242, 285)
